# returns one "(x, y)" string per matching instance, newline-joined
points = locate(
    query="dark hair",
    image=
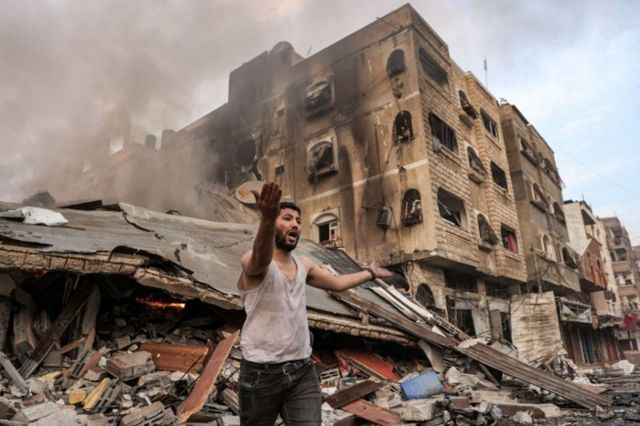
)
(290, 205)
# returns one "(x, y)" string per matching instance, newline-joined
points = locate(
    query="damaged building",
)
(595, 341)
(625, 270)
(396, 155)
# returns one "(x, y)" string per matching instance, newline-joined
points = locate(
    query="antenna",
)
(486, 72)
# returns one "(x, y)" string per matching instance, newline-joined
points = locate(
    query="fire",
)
(157, 304)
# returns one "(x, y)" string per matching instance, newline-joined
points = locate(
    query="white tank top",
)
(276, 328)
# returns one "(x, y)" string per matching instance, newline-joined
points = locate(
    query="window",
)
(550, 170)
(451, 208)
(318, 98)
(402, 127)
(327, 228)
(527, 150)
(474, 161)
(443, 135)
(432, 68)
(411, 207)
(245, 153)
(486, 231)
(509, 240)
(461, 318)
(538, 197)
(568, 258)
(489, 124)
(395, 62)
(558, 212)
(458, 281)
(498, 175)
(424, 296)
(466, 105)
(321, 158)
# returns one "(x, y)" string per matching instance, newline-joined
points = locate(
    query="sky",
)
(72, 72)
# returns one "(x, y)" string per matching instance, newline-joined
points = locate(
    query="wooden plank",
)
(483, 354)
(352, 393)
(52, 336)
(198, 397)
(88, 324)
(372, 413)
(171, 357)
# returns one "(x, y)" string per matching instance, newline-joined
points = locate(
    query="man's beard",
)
(282, 244)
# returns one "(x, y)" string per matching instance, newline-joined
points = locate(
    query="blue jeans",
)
(290, 389)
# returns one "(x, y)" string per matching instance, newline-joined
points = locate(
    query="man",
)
(276, 375)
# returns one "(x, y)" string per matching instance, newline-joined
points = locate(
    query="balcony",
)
(604, 307)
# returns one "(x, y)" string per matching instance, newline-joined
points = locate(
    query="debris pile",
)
(97, 350)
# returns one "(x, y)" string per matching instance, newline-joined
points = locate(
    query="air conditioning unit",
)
(384, 217)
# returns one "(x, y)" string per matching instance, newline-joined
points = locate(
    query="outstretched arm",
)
(256, 262)
(321, 278)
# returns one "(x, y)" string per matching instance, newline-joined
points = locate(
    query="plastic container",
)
(422, 386)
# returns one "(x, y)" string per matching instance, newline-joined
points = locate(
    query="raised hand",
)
(268, 200)
(380, 271)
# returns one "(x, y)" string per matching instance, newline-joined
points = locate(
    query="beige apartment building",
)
(395, 155)
(625, 270)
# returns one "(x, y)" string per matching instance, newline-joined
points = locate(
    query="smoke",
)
(77, 73)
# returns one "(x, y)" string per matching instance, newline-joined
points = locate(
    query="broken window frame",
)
(318, 98)
(442, 134)
(527, 150)
(474, 161)
(402, 127)
(411, 207)
(538, 198)
(509, 238)
(395, 63)
(432, 68)
(558, 212)
(320, 164)
(460, 281)
(466, 105)
(568, 258)
(453, 214)
(489, 124)
(332, 224)
(485, 230)
(499, 176)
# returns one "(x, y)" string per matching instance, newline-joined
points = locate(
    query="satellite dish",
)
(243, 192)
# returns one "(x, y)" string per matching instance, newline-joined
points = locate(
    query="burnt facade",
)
(393, 152)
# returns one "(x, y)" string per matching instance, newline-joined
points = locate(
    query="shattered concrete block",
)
(94, 375)
(522, 417)
(96, 420)
(128, 366)
(537, 411)
(420, 410)
(63, 417)
(123, 342)
(151, 414)
(229, 421)
(37, 386)
(8, 408)
(35, 412)
(490, 396)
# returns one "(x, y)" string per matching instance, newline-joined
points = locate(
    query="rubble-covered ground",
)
(104, 350)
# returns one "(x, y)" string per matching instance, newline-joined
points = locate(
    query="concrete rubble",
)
(104, 346)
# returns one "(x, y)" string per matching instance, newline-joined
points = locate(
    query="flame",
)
(162, 305)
